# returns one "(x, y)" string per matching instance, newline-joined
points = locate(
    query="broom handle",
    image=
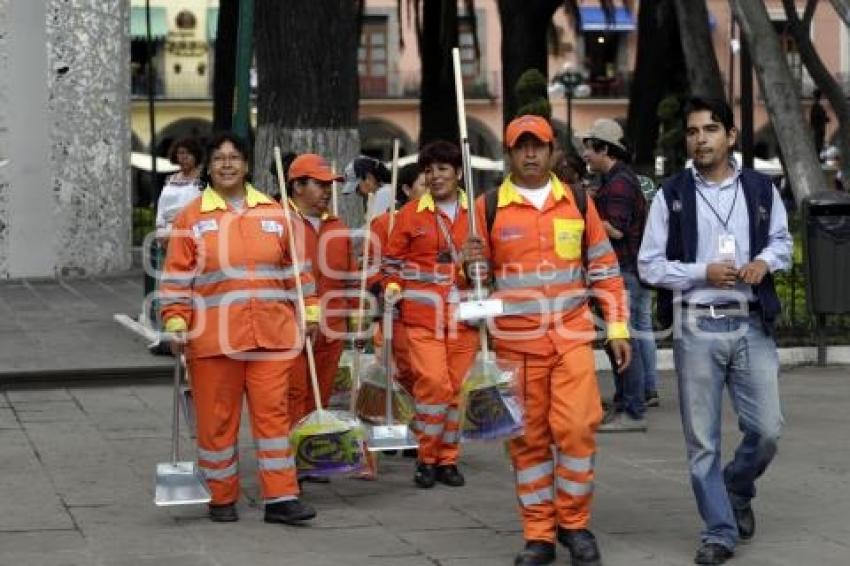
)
(388, 359)
(334, 199)
(175, 416)
(296, 271)
(394, 182)
(470, 189)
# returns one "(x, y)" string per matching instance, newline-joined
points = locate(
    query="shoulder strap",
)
(581, 198)
(491, 202)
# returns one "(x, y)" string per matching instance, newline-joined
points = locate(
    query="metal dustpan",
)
(179, 483)
(389, 436)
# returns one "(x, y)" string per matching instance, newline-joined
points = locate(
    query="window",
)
(469, 64)
(372, 57)
(789, 46)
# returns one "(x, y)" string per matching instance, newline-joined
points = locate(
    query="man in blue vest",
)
(715, 235)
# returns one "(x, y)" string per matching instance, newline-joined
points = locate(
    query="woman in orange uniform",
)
(424, 250)
(228, 295)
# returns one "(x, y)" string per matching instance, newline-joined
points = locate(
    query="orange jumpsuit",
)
(380, 229)
(328, 253)
(441, 350)
(538, 266)
(228, 281)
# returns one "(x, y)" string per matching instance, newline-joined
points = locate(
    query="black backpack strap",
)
(491, 202)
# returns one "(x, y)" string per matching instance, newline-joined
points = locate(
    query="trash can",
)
(826, 249)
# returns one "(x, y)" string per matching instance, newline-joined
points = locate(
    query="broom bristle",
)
(488, 415)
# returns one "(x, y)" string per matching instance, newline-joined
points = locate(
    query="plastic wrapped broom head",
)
(491, 407)
(329, 443)
(343, 381)
(371, 403)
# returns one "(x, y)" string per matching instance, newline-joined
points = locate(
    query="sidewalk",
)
(76, 482)
(63, 329)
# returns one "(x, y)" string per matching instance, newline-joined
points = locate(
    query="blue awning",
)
(212, 24)
(139, 23)
(593, 19)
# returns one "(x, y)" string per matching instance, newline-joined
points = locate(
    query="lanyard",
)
(731, 208)
(447, 235)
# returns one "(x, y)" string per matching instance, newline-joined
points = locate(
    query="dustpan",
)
(179, 482)
(391, 434)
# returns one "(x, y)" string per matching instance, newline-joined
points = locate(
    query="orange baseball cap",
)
(312, 166)
(528, 124)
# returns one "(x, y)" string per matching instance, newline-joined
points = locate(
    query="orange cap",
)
(537, 126)
(312, 166)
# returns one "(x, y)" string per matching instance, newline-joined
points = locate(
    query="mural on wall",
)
(90, 134)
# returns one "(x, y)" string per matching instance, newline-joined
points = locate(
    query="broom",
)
(488, 409)
(370, 402)
(325, 443)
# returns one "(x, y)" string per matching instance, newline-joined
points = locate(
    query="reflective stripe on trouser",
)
(562, 407)
(326, 353)
(439, 367)
(218, 384)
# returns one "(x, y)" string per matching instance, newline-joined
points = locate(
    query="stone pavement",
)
(76, 485)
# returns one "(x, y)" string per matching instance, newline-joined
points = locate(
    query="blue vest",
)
(680, 196)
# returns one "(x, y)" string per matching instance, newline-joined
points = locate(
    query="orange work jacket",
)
(419, 261)
(544, 263)
(229, 280)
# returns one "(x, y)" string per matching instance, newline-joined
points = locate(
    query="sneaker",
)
(611, 414)
(450, 475)
(623, 423)
(536, 552)
(652, 399)
(425, 475)
(712, 553)
(582, 546)
(223, 513)
(290, 512)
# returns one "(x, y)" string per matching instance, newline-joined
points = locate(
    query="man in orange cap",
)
(548, 252)
(326, 245)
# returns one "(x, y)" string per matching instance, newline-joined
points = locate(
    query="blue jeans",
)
(629, 390)
(640, 314)
(733, 351)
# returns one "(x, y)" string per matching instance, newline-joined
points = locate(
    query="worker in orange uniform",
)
(228, 296)
(547, 250)
(412, 186)
(424, 247)
(326, 244)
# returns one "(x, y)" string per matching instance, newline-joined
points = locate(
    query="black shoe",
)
(223, 513)
(309, 478)
(652, 399)
(425, 475)
(536, 552)
(712, 553)
(450, 476)
(582, 546)
(746, 521)
(290, 512)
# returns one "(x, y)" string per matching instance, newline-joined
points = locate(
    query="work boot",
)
(746, 521)
(450, 475)
(582, 546)
(623, 422)
(712, 553)
(223, 513)
(290, 512)
(425, 475)
(536, 552)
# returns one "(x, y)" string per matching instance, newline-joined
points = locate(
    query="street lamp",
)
(570, 81)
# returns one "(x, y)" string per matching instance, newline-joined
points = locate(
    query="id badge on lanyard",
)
(726, 248)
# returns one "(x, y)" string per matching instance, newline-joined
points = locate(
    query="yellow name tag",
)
(568, 237)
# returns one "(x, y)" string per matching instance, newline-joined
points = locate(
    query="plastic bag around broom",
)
(491, 407)
(371, 402)
(329, 443)
(343, 382)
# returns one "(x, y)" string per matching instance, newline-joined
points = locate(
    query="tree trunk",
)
(777, 86)
(823, 78)
(524, 25)
(438, 106)
(842, 8)
(659, 72)
(306, 55)
(224, 79)
(703, 70)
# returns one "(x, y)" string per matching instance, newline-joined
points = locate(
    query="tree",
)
(306, 55)
(438, 107)
(801, 30)
(224, 77)
(703, 70)
(777, 86)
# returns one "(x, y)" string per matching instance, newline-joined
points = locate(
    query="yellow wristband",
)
(618, 331)
(312, 313)
(394, 287)
(176, 324)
